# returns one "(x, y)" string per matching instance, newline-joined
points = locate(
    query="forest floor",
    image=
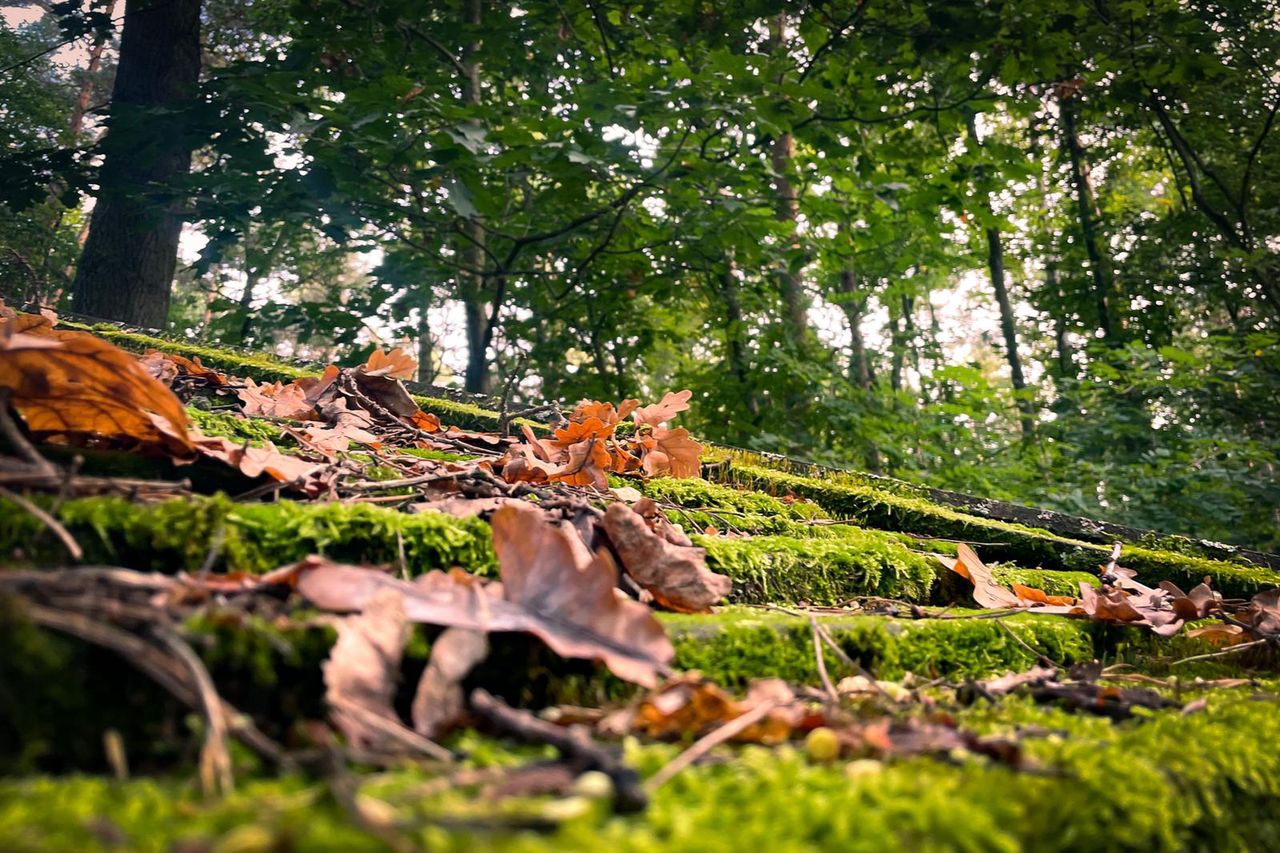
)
(246, 605)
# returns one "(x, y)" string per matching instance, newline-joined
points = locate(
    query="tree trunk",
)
(426, 347)
(475, 282)
(995, 266)
(1062, 349)
(737, 354)
(854, 307)
(1099, 268)
(126, 269)
(781, 154)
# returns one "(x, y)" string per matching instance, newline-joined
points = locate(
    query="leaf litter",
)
(581, 568)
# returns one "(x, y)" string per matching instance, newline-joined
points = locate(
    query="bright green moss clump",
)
(256, 431)
(782, 569)
(178, 534)
(738, 645)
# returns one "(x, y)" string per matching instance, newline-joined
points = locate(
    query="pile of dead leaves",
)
(73, 388)
(588, 447)
(1123, 600)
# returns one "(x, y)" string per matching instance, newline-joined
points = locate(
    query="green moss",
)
(871, 507)
(740, 644)
(781, 569)
(1054, 583)
(438, 455)
(256, 431)
(178, 534)
(701, 494)
(1170, 782)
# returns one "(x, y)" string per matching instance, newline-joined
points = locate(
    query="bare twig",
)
(400, 734)
(1041, 657)
(13, 434)
(832, 693)
(55, 526)
(1109, 573)
(162, 668)
(215, 760)
(708, 742)
(573, 743)
(37, 479)
(1220, 653)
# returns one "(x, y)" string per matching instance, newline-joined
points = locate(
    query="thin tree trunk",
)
(1099, 267)
(476, 283)
(426, 346)
(854, 308)
(126, 269)
(1062, 349)
(254, 270)
(995, 266)
(795, 303)
(897, 338)
(737, 354)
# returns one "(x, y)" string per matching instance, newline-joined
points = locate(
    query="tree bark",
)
(788, 206)
(1099, 268)
(737, 354)
(1008, 329)
(127, 266)
(854, 307)
(475, 281)
(1062, 349)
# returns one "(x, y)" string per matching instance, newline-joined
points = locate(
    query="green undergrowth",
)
(1164, 783)
(874, 508)
(179, 534)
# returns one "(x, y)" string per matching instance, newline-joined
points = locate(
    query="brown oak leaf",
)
(396, 364)
(677, 576)
(672, 404)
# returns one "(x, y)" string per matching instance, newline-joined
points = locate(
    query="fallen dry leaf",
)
(548, 571)
(551, 587)
(438, 703)
(396, 364)
(253, 462)
(986, 591)
(672, 451)
(363, 667)
(677, 576)
(275, 400)
(79, 388)
(673, 403)
(689, 705)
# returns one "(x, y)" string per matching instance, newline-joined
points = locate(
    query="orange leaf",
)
(256, 461)
(675, 453)
(671, 405)
(396, 364)
(78, 386)
(576, 432)
(1031, 595)
(275, 400)
(588, 460)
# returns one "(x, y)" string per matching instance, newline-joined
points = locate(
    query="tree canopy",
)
(1023, 249)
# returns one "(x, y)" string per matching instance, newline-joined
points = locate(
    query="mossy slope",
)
(1171, 782)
